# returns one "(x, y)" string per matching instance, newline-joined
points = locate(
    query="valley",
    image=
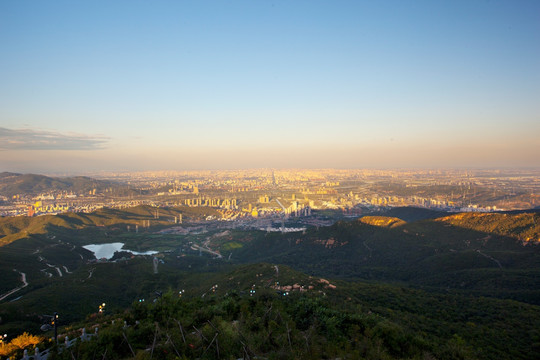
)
(396, 264)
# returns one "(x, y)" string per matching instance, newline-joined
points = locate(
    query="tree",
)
(26, 340)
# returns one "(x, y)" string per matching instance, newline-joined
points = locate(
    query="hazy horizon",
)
(134, 86)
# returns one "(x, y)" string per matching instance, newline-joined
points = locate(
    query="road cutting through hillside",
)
(25, 284)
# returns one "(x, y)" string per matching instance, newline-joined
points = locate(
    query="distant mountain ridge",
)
(33, 184)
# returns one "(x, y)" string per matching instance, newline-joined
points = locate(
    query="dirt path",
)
(90, 272)
(490, 258)
(368, 248)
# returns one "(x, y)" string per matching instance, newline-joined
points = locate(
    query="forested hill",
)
(412, 213)
(33, 184)
(18, 227)
(485, 254)
(521, 225)
(376, 287)
(247, 312)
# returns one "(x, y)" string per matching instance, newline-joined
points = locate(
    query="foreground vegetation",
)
(273, 326)
(327, 319)
(16, 347)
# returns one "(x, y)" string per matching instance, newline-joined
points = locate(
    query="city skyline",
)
(134, 86)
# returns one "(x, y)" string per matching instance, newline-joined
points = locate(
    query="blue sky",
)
(136, 85)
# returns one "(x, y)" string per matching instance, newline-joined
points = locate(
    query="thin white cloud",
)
(28, 139)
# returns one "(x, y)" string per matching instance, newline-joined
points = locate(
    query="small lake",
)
(107, 250)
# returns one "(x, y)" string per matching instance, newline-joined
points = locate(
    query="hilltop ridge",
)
(32, 184)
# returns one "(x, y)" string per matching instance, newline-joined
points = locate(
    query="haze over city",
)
(93, 86)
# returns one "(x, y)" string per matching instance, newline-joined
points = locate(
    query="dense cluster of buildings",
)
(260, 193)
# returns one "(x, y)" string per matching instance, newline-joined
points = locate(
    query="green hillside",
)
(322, 318)
(524, 226)
(442, 253)
(376, 287)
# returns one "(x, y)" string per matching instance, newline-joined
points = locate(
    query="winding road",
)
(197, 247)
(25, 284)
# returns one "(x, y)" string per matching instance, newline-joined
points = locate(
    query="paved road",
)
(208, 251)
(25, 284)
